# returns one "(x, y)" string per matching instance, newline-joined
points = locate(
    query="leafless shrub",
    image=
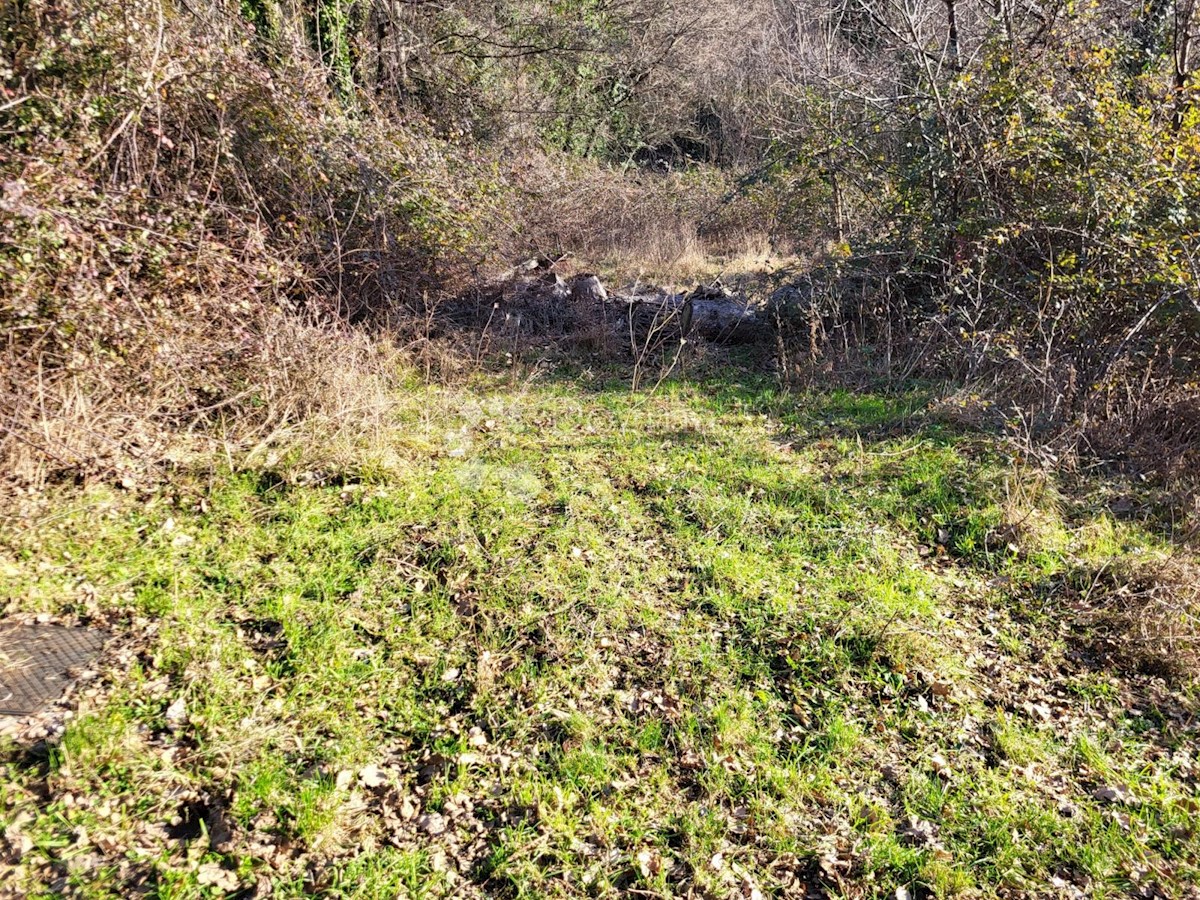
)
(183, 229)
(1147, 614)
(1155, 430)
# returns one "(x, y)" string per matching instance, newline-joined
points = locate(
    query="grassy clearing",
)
(563, 641)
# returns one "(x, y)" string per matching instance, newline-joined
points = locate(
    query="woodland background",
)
(210, 205)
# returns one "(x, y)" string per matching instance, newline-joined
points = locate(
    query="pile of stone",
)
(645, 315)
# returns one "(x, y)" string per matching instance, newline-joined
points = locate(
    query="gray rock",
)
(588, 289)
(711, 292)
(796, 295)
(667, 317)
(555, 286)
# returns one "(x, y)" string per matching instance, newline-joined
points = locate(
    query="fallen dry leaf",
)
(918, 832)
(176, 714)
(372, 776)
(432, 824)
(1115, 793)
(213, 875)
(649, 863)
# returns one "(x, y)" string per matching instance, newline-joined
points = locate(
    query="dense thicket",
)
(1027, 178)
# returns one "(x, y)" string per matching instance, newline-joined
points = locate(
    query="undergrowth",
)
(200, 235)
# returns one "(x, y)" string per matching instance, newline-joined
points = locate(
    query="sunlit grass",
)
(709, 637)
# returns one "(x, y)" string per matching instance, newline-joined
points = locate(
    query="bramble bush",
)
(173, 205)
(1027, 221)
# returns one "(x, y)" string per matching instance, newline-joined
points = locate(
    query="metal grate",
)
(39, 662)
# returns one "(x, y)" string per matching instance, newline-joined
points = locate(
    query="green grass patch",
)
(576, 642)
